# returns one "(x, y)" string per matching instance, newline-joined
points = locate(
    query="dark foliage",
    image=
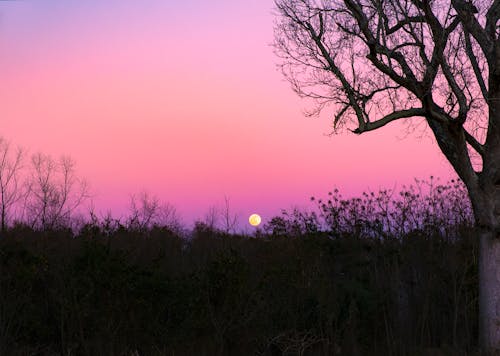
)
(119, 291)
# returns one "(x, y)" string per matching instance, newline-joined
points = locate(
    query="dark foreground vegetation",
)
(385, 274)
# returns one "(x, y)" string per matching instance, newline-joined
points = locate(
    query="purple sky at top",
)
(183, 99)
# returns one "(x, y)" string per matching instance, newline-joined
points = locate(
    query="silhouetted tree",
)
(146, 212)
(379, 61)
(221, 217)
(229, 219)
(54, 191)
(11, 164)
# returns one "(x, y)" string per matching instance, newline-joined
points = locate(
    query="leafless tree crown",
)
(54, 191)
(377, 61)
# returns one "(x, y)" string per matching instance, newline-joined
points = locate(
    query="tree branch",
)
(348, 89)
(492, 17)
(457, 91)
(408, 20)
(396, 115)
(475, 66)
(471, 140)
(472, 25)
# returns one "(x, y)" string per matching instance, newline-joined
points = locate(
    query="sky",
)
(184, 100)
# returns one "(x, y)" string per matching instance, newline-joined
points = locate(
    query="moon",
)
(254, 219)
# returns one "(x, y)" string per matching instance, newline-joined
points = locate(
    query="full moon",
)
(254, 219)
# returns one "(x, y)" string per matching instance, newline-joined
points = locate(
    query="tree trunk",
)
(487, 214)
(3, 227)
(489, 291)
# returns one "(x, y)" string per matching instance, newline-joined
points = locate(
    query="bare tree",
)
(212, 216)
(378, 61)
(11, 192)
(229, 219)
(169, 217)
(146, 211)
(143, 211)
(221, 218)
(54, 191)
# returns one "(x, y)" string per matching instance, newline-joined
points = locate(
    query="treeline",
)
(46, 193)
(388, 273)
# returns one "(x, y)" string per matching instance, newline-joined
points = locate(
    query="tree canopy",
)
(378, 61)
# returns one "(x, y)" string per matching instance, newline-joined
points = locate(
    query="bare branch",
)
(492, 17)
(466, 14)
(471, 140)
(370, 126)
(406, 21)
(475, 66)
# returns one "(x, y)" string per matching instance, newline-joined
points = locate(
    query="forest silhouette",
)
(386, 273)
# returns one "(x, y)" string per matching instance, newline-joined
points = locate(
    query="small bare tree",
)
(11, 192)
(143, 211)
(146, 211)
(169, 217)
(54, 191)
(229, 219)
(211, 219)
(220, 217)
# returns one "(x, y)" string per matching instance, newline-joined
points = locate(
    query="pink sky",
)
(183, 100)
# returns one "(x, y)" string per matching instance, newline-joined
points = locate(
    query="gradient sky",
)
(182, 99)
